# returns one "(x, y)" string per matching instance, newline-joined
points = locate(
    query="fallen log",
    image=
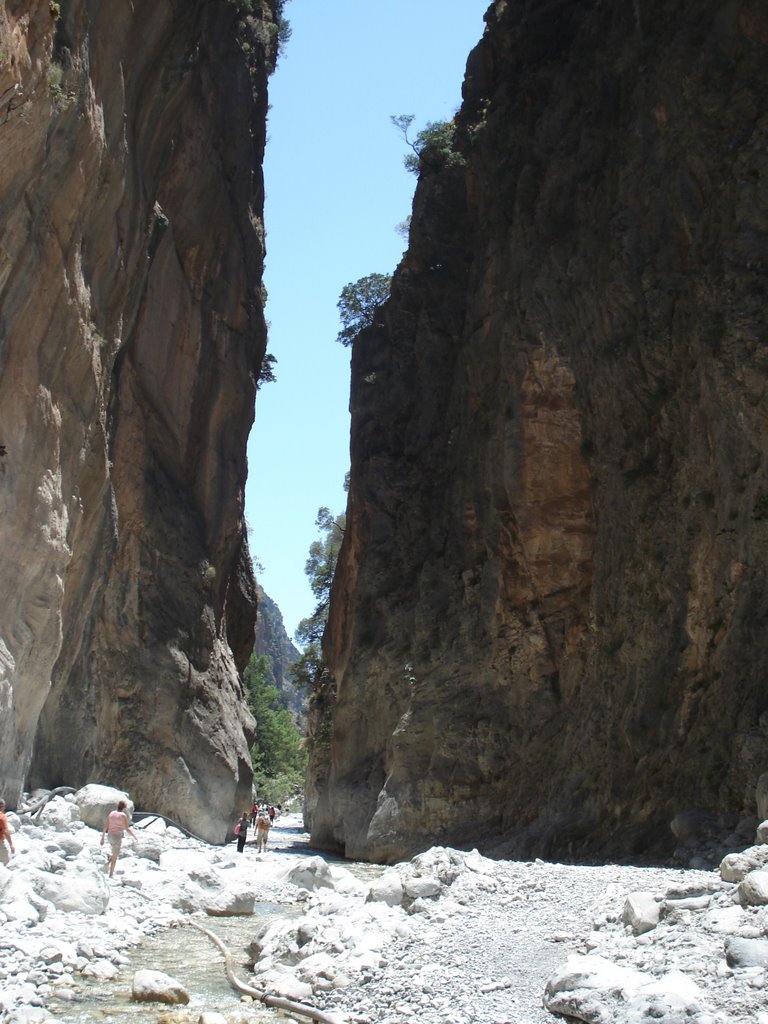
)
(278, 1002)
(38, 805)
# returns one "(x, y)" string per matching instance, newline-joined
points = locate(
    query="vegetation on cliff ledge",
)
(358, 303)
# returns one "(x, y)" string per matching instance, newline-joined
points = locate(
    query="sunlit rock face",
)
(131, 331)
(548, 627)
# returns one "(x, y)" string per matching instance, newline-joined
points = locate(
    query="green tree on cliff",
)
(266, 370)
(358, 303)
(319, 567)
(433, 145)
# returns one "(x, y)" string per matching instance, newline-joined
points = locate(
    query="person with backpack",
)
(241, 831)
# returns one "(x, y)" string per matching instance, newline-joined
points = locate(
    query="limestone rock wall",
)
(548, 626)
(131, 332)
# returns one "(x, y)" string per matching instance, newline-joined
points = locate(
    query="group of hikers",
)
(261, 818)
(118, 823)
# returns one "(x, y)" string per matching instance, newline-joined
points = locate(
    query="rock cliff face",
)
(270, 638)
(548, 625)
(131, 333)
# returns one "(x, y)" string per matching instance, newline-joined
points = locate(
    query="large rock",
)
(313, 873)
(147, 845)
(59, 814)
(752, 891)
(20, 903)
(592, 989)
(69, 845)
(127, 391)
(95, 802)
(421, 886)
(693, 827)
(741, 952)
(387, 888)
(230, 902)
(641, 912)
(157, 987)
(552, 580)
(736, 866)
(81, 887)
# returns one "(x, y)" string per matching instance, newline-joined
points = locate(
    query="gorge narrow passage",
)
(475, 942)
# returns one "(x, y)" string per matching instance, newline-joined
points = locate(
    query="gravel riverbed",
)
(446, 938)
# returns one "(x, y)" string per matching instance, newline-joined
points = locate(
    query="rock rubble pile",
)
(448, 937)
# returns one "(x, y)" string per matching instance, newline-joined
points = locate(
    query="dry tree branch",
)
(276, 1001)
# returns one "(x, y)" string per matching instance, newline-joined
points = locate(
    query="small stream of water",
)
(187, 955)
(190, 957)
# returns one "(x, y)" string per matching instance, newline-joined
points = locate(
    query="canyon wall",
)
(272, 640)
(548, 625)
(131, 336)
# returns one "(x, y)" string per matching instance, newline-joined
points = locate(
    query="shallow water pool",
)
(193, 960)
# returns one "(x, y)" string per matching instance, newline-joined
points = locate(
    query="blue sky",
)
(335, 190)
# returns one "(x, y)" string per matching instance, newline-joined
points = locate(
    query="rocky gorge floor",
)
(448, 937)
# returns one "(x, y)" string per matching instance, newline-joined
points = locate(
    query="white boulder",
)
(753, 889)
(84, 889)
(388, 888)
(641, 912)
(185, 896)
(69, 845)
(285, 983)
(439, 862)
(422, 886)
(192, 864)
(148, 846)
(157, 987)
(314, 873)
(741, 952)
(230, 902)
(724, 920)
(578, 988)
(19, 901)
(736, 866)
(591, 988)
(58, 814)
(101, 969)
(95, 802)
